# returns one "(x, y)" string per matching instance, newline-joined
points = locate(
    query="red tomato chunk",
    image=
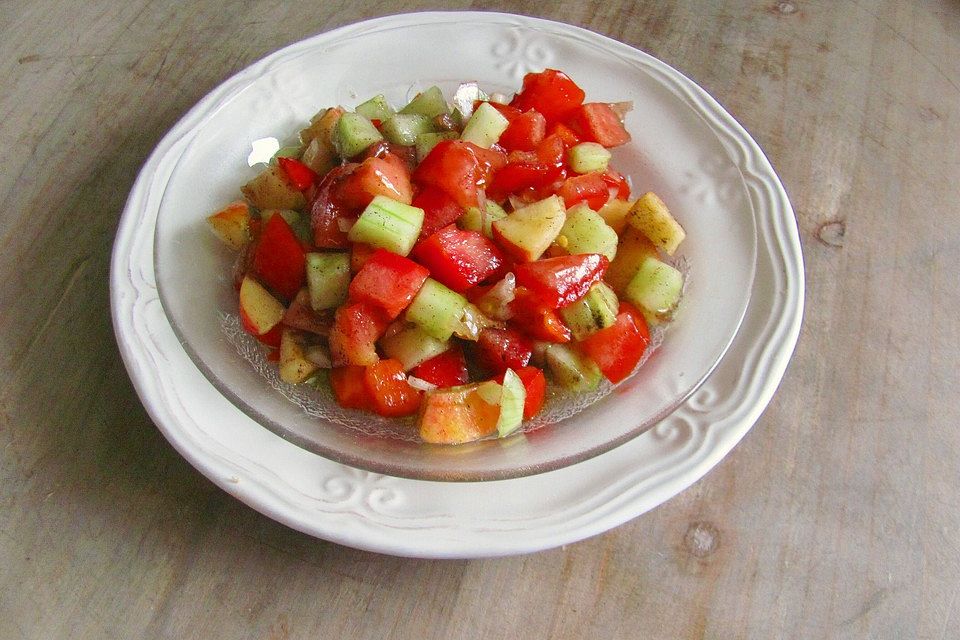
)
(458, 258)
(388, 281)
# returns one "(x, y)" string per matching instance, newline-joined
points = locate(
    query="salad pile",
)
(454, 261)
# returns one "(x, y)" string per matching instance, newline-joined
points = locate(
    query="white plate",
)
(434, 519)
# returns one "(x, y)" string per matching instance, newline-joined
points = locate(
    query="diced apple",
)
(232, 224)
(271, 190)
(457, 415)
(614, 213)
(633, 249)
(300, 315)
(294, 365)
(650, 215)
(527, 232)
(586, 232)
(259, 310)
(321, 126)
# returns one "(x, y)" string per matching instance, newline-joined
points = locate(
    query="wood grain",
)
(837, 517)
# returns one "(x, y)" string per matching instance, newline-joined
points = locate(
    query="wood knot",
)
(786, 8)
(701, 539)
(832, 233)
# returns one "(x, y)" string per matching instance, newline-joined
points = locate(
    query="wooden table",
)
(837, 517)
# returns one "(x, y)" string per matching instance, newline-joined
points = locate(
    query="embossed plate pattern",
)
(433, 519)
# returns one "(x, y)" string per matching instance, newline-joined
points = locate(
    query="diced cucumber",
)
(484, 126)
(376, 108)
(353, 134)
(491, 391)
(430, 103)
(475, 220)
(571, 370)
(586, 232)
(388, 224)
(328, 277)
(655, 288)
(404, 128)
(595, 311)
(436, 309)
(412, 346)
(589, 156)
(513, 395)
(287, 152)
(427, 141)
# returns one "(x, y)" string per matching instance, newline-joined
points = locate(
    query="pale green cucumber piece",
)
(571, 370)
(588, 156)
(376, 108)
(353, 134)
(474, 220)
(288, 152)
(388, 224)
(655, 287)
(491, 391)
(412, 346)
(328, 278)
(427, 141)
(587, 232)
(484, 126)
(512, 397)
(595, 311)
(430, 103)
(404, 128)
(436, 309)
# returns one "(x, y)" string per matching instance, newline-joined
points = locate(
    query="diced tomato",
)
(558, 282)
(535, 384)
(279, 259)
(356, 328)
(505, 110)
(449, 369)
(565, 133)
(452, 167)
(591, 188)
(387, 176)
(616, 181)
(551, 151)
(359, 254)
(439, 210)
(273, 355)
(298, 174)
(502, 349)
(387, 386)
(350, 387)
(517, 176)
(489, 161)
(638, 319)
(326, 209)
(535, 319)
(525, 132)
(384, 149)
(550, 92)
(388, 281)
(618, 348)
(597, 122)
(459, 258)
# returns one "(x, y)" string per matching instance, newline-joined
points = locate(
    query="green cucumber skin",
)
(595, 311)
(513, 395)
(571, 370)
(436, 309)
(328, 278)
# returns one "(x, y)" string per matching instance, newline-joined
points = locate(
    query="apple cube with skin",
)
(294, 365)
(271, 190)
(259, 310)
(232, 224)
(615, 213)
(650, 216)
(528, 232)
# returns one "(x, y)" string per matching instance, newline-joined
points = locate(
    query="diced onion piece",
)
(319, 355)
(420, 384)
(622, 109)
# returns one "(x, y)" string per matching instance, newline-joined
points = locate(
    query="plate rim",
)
(122, 282)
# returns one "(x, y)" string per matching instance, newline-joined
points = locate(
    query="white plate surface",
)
(435, 519)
